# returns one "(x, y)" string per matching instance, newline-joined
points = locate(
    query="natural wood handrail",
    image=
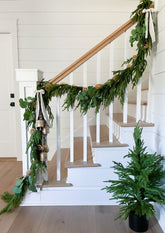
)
(92, 52)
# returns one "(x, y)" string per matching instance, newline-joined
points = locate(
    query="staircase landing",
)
(131, 121)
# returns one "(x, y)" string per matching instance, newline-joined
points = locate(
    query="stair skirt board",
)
(68, 196)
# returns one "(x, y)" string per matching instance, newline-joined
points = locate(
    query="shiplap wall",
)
(53, 34)
(157, 96)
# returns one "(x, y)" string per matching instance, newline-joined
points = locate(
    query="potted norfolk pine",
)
(139, 184)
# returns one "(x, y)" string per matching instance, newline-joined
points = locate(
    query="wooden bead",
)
(146, 46)
(116, 78)
(48, 86)
(129, 66)
(139, 12)
(28, 172)
(98, 86)
(31, 131)
(134, 57)
(39, 147)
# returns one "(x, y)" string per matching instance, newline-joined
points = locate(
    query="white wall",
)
(157, 84)
(53, 34)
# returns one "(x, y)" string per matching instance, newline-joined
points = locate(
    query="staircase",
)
(76, 175)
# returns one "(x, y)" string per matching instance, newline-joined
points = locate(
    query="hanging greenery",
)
(82, 97)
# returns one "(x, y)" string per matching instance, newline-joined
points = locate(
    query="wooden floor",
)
(66, 219)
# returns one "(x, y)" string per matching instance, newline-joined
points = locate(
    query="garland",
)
(83, 97)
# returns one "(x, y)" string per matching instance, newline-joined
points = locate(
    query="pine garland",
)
(85, 98)
(140, 183)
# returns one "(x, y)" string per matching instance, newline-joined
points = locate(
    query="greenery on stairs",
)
(83, 97)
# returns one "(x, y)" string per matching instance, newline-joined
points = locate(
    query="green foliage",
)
(92, 97)
(14, 200)
(29, 105)
(140, 182)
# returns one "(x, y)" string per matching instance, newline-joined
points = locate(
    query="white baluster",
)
(58, 139)
(111, 68)
(98, 127)
(143, 109)
(85, 138)
(98, 80)
(111, 123)
(149, 99)
(85, 118)
(138, 102)
(71, 127)
(126, 55)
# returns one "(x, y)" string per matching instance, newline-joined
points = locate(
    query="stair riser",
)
(68, 196)
(90, 177)
(106, 156)
(132, 111)
(126, 135)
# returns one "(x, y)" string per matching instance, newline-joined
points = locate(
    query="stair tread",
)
(145, 89)
(134, 102)
(131, 121)
(78, 155)
(56, 184)
(104, 138)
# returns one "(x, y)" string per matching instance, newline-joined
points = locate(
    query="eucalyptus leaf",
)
(18, 182)
(17, 190)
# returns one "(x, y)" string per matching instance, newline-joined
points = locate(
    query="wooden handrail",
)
(92, 52)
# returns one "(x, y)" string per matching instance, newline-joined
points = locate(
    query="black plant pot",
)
(138, 223)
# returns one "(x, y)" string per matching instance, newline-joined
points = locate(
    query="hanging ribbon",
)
(40, 102)
(149, 23)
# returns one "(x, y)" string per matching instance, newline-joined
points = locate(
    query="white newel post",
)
(27, 79)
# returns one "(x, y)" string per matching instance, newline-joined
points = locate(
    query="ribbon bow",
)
(149, 23)
(43, 110)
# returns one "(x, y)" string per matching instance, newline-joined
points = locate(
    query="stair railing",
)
(69, 72)
(83, 61)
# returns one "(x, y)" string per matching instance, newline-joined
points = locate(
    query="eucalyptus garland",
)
(82, 97)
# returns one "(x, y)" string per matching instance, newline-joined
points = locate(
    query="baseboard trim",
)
(8, 159)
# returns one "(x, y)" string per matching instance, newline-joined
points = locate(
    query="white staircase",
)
(80, 171)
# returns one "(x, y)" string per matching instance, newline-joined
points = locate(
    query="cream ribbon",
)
(43, 110)
(149, 23)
